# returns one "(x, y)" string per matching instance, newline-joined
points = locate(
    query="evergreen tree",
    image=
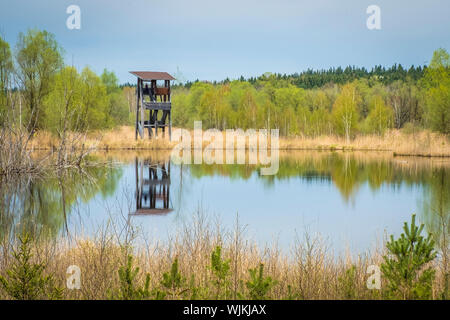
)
(127, 278)
(406, 266)
(26, 280)
(259, 285)
(221, 271)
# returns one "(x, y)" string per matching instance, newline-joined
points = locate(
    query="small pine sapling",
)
(172, 282)
(258, 285)
(127, 281)
(221, 271)
(405, 267)
(26, 280)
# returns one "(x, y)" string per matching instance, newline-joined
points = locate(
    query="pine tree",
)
(172, 283)
(405, 268)
(221, 271)
(128, 289)
(259, 285)
(26, 280)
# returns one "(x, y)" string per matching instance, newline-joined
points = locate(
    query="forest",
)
(333, 102)
(40, 92)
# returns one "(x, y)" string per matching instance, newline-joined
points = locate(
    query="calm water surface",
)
(352, 199)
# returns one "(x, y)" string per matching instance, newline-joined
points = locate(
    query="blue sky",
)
(212, 40)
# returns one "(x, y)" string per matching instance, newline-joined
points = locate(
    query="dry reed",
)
(421, 143)
(309, 271)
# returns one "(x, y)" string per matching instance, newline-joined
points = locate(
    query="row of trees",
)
(40, 92)
(364, 105)
(311, 79)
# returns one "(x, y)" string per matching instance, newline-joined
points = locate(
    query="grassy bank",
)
(422, 143)
(204, 261)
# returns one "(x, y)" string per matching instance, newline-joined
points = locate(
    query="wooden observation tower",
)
(147, 95)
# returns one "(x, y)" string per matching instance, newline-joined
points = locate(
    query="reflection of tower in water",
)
(152, 187)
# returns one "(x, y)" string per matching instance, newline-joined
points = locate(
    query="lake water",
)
(353, 199)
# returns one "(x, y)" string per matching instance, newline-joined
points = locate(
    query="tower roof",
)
(152, 75)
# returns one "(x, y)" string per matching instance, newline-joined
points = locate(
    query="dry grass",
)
(308, 271)
(423, 143)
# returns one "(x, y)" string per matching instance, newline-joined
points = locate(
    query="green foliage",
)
(221, 271)
(94, 114)
(80, 102)
(437, 92)
(300, 104)
(345, 111)
(26, 280)
(117, 111)
(325, 102)
(59, 97)
(380, 117)
(347, 283)
(110, 80)
(440, 58)
(128, 289)
(258, 285)
(172, 282)
(291, 294)
(62, 106)
(405, 267)
(438, 103)
(39, 57)
(46, 205)
(6, 69)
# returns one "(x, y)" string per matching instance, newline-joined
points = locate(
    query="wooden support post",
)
(170, 114)
(137, 109)
(170, 125)
(150, 132)
(150, 123)
(142, 111)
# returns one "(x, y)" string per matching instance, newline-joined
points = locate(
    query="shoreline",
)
(421, 144)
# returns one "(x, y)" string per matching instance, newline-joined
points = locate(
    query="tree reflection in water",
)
(40, 205)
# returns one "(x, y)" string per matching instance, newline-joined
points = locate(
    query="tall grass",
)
(309, 270)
